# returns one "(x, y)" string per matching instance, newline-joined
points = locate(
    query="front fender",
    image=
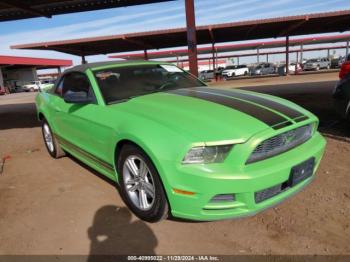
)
(159, 142)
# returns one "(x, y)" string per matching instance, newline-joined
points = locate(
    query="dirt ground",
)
(58, 207)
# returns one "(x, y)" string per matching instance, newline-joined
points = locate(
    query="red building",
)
(15, 71)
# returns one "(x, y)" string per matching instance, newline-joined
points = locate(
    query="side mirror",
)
(77, 98)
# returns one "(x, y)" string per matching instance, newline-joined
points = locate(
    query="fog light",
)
(223, 198)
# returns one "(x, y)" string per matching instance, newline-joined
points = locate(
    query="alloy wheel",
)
(139, 183)
(48, 138)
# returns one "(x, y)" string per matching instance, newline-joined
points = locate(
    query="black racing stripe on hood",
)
(270, 118)
(283, 109)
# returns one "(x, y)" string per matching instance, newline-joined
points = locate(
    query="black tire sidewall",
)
(159, 209)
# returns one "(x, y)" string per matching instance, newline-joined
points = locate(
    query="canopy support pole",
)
(301, 53)
(287, 55)
(191, 36)
(83, 60)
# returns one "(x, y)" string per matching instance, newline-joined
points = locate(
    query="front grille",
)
(281, 143)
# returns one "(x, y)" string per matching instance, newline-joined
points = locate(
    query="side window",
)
(76, 82)
(59, 87)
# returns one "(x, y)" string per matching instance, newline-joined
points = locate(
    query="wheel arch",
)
(118, 147)
(131, 141)
(126, 141)
(41, 116)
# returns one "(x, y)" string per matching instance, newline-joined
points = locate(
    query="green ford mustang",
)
(175, 146)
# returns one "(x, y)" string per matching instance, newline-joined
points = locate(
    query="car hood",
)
(209, 115)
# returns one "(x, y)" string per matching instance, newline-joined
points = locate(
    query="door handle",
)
(57, 109)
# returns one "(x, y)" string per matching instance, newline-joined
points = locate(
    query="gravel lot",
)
(61, 206)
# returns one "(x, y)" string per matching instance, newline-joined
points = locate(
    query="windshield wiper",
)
(120, 101)
(123, 100)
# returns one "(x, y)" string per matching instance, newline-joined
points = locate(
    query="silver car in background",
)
(206, 75)
(264, 69)
(317, 64)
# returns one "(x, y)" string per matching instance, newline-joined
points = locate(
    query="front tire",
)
(51, 142)
(140, 185)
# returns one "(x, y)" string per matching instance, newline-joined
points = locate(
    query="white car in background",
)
(292, 68)
(47, 84)
(32, 86)
(235, 70)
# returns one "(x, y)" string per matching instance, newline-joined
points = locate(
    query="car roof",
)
(84, 67)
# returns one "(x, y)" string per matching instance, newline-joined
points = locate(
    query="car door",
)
(322, 63)
(240, 70)
(264, 69)
(82, 126)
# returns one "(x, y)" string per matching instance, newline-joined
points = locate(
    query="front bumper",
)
(208, 181)
(227, 75)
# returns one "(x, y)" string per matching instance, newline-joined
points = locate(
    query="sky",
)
(146, 18)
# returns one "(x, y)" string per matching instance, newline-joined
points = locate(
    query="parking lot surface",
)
(61, 206)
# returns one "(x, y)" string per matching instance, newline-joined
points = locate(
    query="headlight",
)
(207, 154)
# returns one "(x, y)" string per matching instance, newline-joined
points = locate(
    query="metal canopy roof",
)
(21, 9)
(42, 63)
(261, 54)
(237, 31)
(237, 47)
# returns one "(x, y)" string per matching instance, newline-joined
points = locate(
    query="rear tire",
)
(139, 181)
(51, 142)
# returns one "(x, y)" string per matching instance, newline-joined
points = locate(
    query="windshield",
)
(312, 60)
(121, 83)
(231, 67)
